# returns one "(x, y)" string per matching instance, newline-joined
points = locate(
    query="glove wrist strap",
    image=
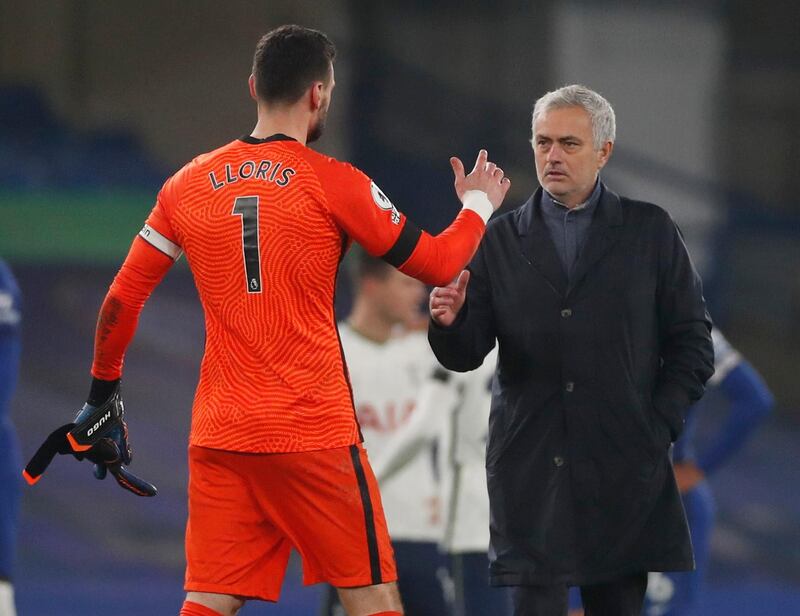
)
(101, 391)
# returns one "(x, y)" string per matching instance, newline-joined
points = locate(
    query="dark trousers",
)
(472, 596)
(621, 597)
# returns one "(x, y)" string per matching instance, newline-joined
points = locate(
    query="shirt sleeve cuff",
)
(478, 202)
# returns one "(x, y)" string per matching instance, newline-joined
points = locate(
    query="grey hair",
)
(604, 124)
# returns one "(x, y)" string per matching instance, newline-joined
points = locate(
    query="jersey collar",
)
(276, 137)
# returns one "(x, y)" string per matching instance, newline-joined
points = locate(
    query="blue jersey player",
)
(749, 401)
(9, 448)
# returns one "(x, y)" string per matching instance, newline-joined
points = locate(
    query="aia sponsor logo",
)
(388, 418)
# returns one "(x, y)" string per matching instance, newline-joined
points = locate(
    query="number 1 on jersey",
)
(247, 208)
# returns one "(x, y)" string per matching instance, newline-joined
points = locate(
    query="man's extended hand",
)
(446, 302)
(486, 176)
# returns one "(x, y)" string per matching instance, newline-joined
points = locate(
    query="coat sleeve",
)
(463, 345)
(687, 353)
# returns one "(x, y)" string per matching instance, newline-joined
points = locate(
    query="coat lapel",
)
(537, 245)
(604, 232)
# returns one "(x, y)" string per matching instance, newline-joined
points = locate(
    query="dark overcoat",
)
(593, 378)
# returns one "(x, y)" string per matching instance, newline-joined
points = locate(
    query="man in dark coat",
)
(604, 341)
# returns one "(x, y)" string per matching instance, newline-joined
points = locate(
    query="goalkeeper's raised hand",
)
(98, 434)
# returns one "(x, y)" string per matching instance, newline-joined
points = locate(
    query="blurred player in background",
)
(453, 410)
(463, 400)
(275, 456)
(388, 365)
(9, 447)
(749, 401)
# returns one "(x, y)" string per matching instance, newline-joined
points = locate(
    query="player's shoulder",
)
(726, 357)
(413, 347)
(721, 343)
(356, 344)
(346, 333)
(414, 339)
(328, 166)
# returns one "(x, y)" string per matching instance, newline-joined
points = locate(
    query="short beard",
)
(315, 132)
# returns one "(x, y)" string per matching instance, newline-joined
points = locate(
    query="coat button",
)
(569, 386)
(566, 313)
(558, 461)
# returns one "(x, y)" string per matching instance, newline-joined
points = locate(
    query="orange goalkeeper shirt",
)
(264, 224)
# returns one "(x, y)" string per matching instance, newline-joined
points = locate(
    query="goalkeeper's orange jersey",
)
(264, 225)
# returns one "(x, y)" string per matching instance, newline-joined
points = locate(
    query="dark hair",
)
(363, 265)
(288, 59)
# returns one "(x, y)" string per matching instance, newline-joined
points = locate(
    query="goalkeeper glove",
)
(98, 434)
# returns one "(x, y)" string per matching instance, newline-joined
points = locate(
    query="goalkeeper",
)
(275, 454)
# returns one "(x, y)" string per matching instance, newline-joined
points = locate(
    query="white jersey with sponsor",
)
(464, 399)
(386, 380)
(453, 408)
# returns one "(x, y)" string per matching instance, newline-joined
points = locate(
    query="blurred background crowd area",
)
(101, 101)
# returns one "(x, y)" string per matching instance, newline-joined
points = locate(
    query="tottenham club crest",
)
(382, 201)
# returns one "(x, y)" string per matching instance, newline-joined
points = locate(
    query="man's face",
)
(398, 296)
(318, 127)
(567, 162)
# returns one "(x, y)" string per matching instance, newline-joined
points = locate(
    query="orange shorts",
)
(246, 512)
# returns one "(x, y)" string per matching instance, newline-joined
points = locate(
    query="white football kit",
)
(386, 379)
(453, 408)
(464, 399)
